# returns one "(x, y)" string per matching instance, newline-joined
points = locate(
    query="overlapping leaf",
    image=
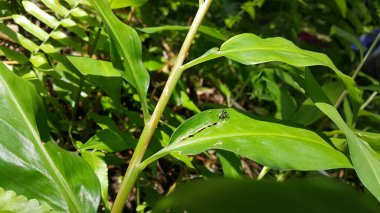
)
(29, 167)
(128, 46)
(363, 157)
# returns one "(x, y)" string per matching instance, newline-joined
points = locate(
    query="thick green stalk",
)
(133, 168)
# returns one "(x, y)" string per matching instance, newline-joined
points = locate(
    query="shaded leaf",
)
(342, 5)
(128, 46)
(231, 195)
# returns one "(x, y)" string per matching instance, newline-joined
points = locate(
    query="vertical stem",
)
(371, 97)
(133, 169)
(344, 93)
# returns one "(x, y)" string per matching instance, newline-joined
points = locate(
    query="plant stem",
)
(371, 97)
(133, 168)
(263, 172)
(344, 93)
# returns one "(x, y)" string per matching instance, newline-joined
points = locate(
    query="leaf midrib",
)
(363, 153)
(192, 140)
(46, 155)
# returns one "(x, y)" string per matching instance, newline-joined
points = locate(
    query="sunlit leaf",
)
(11, 202)
(267, 142)
(30, 167)
(250, 49)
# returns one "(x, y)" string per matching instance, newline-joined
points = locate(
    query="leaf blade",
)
(44, 171)
(269, 143)
(128, 45)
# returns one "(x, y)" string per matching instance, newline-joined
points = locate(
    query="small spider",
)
(223, 115)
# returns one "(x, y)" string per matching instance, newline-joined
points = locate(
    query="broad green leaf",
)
(106, 140)
(237, 195)
(101, 170)
(11, 202)
(267, 142)
(203, 29)
(363, 157)
(342, 5)
(101, 73)
(89, 66)
(128, 45)
(31, 167)
(250, 49)
(115, 4)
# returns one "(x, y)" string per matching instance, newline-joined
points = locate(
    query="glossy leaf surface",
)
(250, 49)
(29, 167)
(267, 142)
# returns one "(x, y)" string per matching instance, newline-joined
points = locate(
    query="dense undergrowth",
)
(274, 100)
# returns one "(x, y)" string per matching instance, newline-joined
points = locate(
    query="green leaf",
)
(115, 4)
(212, 32)
(267, 142)
(348, 37)
(101, 170)
(342, 5)
(128, 46)
(237, 195)
(11, 202)
(230, 163)
(101, 73)
(363, 157)
(373, 139)
(44, 172)
(106, 140)
(250, 49)
(308, 113)
(89, 66)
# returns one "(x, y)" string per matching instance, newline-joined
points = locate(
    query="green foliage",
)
(11, 202)
(40, 171)
(95, 100)
(265, 196)
(264, 141)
